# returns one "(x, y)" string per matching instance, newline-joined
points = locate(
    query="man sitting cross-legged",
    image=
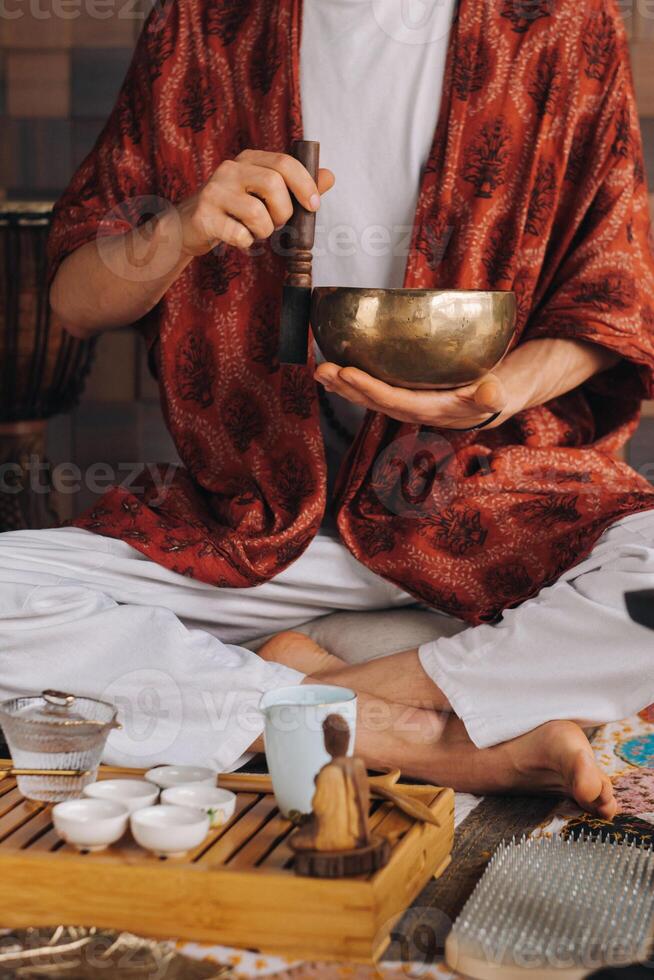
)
(310, 489)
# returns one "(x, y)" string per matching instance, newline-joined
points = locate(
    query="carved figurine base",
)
(342, 864)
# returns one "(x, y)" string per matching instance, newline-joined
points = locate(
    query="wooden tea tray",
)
(237, 889)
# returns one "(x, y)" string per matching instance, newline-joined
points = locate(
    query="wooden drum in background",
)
(42, 368)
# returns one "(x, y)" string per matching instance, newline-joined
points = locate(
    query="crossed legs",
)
(404, 721)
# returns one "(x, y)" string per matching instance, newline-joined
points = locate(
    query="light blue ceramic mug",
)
(293, 734)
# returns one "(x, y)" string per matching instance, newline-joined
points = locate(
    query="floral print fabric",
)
(534, 183)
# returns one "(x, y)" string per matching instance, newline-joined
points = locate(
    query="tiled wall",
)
(59, 76)
(61, 65)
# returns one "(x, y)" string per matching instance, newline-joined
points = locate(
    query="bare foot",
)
(556, 757)
(299, 652)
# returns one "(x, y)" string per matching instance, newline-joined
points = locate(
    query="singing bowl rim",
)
(410, 291)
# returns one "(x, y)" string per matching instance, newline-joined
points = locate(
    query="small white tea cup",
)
(90, 825)
(218, 804)
(135, 794)
(293, 735)
(169, 831)
(167, 776)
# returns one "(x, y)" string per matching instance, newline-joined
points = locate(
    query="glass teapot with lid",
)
(56, 731)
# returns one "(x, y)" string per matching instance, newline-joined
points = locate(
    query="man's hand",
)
(247, 199)
(458, 408)
(532, 374)
(97, 289)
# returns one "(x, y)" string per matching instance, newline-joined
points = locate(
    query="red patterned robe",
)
(534, 183)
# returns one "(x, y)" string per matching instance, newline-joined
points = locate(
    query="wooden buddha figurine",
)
(341, 801)
(336, 840)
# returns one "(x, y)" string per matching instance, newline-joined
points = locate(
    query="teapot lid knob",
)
(58, 698)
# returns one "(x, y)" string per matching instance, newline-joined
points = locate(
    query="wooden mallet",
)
(298, 238)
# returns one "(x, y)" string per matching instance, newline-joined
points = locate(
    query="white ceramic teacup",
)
(135, 794)
(294, 739)
(90, 825)
(169, 831)
(218, 804)
(166, 776)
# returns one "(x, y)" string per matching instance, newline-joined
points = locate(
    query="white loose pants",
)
(92, 615)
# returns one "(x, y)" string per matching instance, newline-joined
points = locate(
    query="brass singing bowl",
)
(414, 338)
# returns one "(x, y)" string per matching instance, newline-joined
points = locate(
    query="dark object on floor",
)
(623, 973)
(623, 828)
(84, 954)
(640, 606)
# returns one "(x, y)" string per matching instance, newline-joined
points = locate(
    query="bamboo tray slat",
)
(237, 889)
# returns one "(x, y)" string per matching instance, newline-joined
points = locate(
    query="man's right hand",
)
(247, 199)
(118, 279)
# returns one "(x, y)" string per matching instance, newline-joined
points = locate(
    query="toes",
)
(591, 789)
(293, 649)
(275, 648)
(290, 649)
(607, 811)
(606, 804)
(586, 781)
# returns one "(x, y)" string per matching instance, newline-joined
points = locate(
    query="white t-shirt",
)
(371, 76)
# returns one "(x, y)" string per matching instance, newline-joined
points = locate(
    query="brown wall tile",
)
(156, 444)
(35, 156)
(628, 18)
(94, 29)
(148, 386)
(643, 19)
(34, 26)
(97, 75)
(38, 84)
(642, 58)
(647, 133)
(113, 375)
(85, 133)
(3, 67)
(641, 449)
(104, 434)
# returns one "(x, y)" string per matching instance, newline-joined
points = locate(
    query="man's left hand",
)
(458, 408)
(533, 373)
